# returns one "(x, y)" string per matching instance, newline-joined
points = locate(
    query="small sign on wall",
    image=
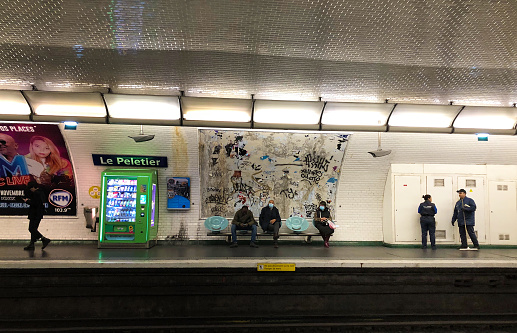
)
(178, 193)
(130, 161)
(95, 192)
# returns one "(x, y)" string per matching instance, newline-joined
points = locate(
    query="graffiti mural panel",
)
(239, 168)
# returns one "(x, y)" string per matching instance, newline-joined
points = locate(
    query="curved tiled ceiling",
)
(408, 51)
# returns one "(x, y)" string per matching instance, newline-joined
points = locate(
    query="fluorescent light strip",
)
(70, 110)
(356, 114)
(217, 115)
(487, 118)
(142, 107)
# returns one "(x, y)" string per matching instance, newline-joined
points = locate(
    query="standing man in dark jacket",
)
(244, 220)
(270, 220)
(427, 210)
(464, 211)
(36, 200)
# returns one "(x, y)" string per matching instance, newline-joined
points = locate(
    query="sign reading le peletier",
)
(130, 160)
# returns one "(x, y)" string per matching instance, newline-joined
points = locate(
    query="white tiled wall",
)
(358, 207)
(361, 186)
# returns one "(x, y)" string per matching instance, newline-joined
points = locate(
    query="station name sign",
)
(130, 160)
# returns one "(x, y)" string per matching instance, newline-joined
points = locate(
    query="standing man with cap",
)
(464, 213)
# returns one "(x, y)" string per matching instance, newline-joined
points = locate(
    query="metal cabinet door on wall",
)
(408, 195)
(441, 190)
(475, 187)
(503, 212)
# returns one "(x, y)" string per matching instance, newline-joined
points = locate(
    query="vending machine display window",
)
(121, 200)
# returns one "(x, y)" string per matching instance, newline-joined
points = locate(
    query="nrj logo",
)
(60, 198)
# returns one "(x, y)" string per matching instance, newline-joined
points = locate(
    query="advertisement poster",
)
(35, 152)
(178, 193)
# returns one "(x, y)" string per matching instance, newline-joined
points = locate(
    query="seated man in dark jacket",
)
(270, 220)
(244, 220)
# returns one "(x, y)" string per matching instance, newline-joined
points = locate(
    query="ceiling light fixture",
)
(142, 137)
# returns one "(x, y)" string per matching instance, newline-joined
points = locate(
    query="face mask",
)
(271, 205)
(322, 207)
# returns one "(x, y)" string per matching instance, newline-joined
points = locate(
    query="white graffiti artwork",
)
(249, 168)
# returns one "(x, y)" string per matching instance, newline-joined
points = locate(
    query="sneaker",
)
(424, 247)
(275, 245)
(433, 247)
(234, 245)
(476, 247)
(463, 248)
(29, 247)
(45, 242)
(253, 244)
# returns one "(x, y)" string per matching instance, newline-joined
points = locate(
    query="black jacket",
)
(322, 213)
(267, 214)
(36, 204)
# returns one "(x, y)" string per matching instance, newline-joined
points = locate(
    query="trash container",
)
(90, 213)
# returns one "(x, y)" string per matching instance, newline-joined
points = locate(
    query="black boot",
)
(45, 242)
(29, 247)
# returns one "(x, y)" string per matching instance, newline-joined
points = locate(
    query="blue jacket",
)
(427, 210)
(465, 209)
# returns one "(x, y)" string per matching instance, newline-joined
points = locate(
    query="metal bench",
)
(307, 235)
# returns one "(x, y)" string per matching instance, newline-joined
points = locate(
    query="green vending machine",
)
(129, 208)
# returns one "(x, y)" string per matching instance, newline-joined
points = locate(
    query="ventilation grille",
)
(502, 187)
(470, 183)
(439, 182)
(441, 234)
(504, 237)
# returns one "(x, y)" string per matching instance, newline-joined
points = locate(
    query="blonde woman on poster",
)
(45, 152)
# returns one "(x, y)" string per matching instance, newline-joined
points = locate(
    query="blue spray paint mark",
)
(332, 180)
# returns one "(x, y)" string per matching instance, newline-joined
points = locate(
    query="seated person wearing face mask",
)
(321, 221)
(270, 220)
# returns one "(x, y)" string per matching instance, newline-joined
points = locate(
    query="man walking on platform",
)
(36, 200)
(464, 213)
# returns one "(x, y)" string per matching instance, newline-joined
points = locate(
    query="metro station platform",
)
(198, 287)
(195, 255)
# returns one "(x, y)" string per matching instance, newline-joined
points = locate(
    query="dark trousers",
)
(324, 229)
(472, 235)
(33, 229)
(273, 228)
(431, 227)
